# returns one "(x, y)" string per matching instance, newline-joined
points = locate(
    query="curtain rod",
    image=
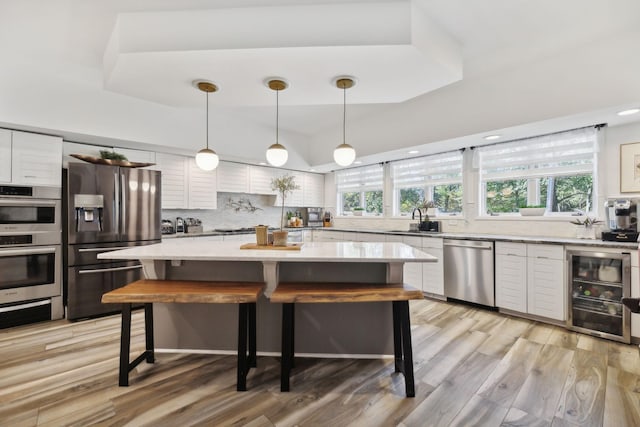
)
(597, 127)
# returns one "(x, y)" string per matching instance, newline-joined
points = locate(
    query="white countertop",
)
(179, 249)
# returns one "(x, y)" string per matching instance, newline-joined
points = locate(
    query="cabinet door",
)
(5, 156)
(511, 282)
(174, 180)
(140, 156)
(412, 271)
(546, 290)
(233, 177)
(260, 180)
(36, 159)
(433, 272)
(202, 187)
(313, 190)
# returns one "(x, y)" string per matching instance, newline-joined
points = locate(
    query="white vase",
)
(586, 232)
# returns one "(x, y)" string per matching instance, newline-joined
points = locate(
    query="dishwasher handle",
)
(479, 246)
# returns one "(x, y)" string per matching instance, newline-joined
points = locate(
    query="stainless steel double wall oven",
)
(30, 254)
(107, 208)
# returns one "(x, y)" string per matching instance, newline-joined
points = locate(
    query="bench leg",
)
(401, 310)
(287, 350)
(397, 338)
(125, 345)
(148, 333)
(125, 342)
(253, 362)
(242, 347)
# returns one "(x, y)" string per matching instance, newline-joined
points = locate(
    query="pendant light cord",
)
(207, 120)
(277, 113)
(344, 114)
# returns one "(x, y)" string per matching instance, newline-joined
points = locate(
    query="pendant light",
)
(344, 154)
(277, 154)
(207, 159)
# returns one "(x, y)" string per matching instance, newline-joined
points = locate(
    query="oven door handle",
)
(106, 270)
(33, 251)
(21, 202)
(23, 306)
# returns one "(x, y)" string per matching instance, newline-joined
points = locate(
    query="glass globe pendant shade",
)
(277, 155)
(344, 154)
(207, 159)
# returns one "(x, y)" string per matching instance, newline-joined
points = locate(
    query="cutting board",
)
(289, 247)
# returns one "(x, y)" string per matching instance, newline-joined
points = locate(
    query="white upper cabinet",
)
(260, 180)
(69, 148)
(174, 180)
(313, 190)
(36, 159)
(202, 187)
(138, 156)
(233, 177)
(5, 156)
(296, 197)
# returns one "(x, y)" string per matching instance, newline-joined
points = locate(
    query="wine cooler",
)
(597, 283)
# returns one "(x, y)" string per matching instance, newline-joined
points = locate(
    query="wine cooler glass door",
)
(597, 283)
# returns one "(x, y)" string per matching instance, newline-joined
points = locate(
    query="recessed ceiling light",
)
(629, 112)
(413, 152)
(357, 162)
(312, 170)
(262, 163)
(491, 137)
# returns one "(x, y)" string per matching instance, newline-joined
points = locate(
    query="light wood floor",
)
(473, 368)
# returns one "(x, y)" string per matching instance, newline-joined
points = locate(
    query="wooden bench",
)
(398, 294)
(245, 294)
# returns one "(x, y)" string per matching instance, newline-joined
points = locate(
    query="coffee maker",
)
(622, 220)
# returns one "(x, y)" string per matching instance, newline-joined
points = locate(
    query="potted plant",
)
(283, 185)
(358, 211)
(586, 229)
(533, 210)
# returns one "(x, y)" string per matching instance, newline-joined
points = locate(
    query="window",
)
(554, 170)
(360, 189)
(436, 179)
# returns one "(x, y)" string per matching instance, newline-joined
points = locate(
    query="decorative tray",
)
(100, 161)
(289, 247)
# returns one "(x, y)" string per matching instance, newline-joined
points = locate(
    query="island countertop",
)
(180, 250)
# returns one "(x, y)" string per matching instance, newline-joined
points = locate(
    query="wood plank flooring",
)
(472, 367)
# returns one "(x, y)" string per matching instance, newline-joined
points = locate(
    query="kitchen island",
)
(320, 328)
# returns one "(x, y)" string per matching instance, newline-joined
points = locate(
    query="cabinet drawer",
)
(414, 241)
(508, 248)
(545, 251)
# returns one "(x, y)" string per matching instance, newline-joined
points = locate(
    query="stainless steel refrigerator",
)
(107, 207)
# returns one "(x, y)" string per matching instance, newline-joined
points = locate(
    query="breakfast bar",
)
(320, 328)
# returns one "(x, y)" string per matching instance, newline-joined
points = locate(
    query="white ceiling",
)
(432, 74)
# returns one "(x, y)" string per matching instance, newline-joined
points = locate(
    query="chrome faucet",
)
(413, 214)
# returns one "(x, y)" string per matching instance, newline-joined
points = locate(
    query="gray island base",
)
(322, 329)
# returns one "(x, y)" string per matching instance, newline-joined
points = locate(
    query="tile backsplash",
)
(235, 210)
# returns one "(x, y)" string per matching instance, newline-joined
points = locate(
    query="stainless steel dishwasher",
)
(468, 271)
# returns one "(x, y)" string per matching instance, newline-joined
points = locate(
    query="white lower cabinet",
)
(530, 278)
(511, 276)
(427, 276)
(433, 272)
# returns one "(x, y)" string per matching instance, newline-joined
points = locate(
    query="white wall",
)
(608, 186)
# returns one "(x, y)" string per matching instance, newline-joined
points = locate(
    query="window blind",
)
(365, 178)
(565, 153)
(438, 169)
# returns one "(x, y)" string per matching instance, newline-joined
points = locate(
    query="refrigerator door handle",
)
(116, 202)
(106, 270)
(103, 249)
(123, 208)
